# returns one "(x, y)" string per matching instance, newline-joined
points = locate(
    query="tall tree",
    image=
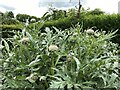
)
(10, 14)
(22, 17)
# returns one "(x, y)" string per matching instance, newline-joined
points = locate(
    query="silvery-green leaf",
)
(42, 78)
(33, 63)
(77, 62)
(30, 80)
(6, 45)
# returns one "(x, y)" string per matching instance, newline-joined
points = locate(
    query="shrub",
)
(9, 21)
(62, 23)
(96, 11)
(9, 30)
(101, 22)
(89, 61)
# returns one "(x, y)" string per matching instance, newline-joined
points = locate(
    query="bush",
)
(9, 21)
(62, 23)
(104, 22)
(9, 30)
(96, 11)
(64, 59)
(101, 22)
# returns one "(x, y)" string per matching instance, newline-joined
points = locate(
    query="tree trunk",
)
(78, 13)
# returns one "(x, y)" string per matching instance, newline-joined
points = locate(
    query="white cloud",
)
(33, 11)
(109, 6)
(2, 9)
(30, 7)
(20, 3)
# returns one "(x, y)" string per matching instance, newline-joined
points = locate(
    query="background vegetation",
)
(65, 59)
(60, 50)
(63, 19)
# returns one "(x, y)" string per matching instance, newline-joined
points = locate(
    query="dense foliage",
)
(65, 19)
(10, 24)
(71, 58)
(25, 17)
(100, 22)
(54, 51)
(8, 18)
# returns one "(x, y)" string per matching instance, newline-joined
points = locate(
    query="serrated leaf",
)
(42, 78)
(29, 36)
(6, 45)
(103, 78)
(77, 62)
(35, 62)
(113, 78)
(55, 84)
(69, 86)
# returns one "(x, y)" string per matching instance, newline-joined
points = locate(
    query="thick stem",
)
(78, 13)
(53, 66)
(52, 63)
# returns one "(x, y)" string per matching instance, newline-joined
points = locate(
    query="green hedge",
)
(9, 21)
(8, 30)
(62, 23)
(101, 22)
(104, 22)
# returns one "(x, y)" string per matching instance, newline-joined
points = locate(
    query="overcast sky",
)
(39, 7)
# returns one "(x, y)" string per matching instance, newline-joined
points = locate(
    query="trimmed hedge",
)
(62, 23)
(8, 30)
(101, 22)
(9, 21)
(105, 23)
(16, 27)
